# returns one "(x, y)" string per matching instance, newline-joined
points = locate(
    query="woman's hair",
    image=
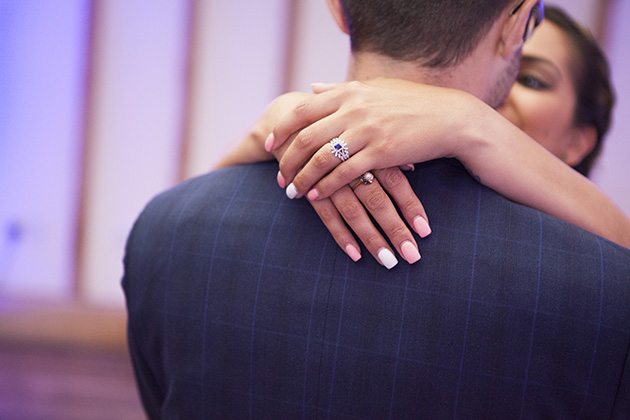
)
(591, 79)
(433, 33)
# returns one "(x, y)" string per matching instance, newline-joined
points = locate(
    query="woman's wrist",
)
(472, 133)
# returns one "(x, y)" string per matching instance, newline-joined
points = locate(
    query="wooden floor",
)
(48, 383)
(63, 383)
(57, 372)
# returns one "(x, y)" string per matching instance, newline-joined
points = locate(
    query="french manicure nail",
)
(387, 258)
(410, 252)
(281, 181)
(269, 141)
(318, 87)
(421, 226)
(291, 191)
(312, 194)
(353, 252)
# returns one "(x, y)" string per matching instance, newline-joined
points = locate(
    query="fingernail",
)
(411, 167)
(421, 226)
(269, 141)
(387, 258)
(291, 191)
(410, 252)
(312, 194)
(318, 86)
(353, 252)
(281, 181)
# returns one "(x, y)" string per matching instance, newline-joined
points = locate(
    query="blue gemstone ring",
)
(339, 148)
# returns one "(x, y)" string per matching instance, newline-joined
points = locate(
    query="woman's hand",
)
(384, 122)
(353, 203)
(346, 211)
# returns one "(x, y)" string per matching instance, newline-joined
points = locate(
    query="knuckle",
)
(355, 84)
(373, 241)
(304, 139)
(397, 231)
(350, 210)
(345, 172)
(376, 199)
(411, 206)
(302, 108)
(327, 214)
(391, 178)
(320, 160)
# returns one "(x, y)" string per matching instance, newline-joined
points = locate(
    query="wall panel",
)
(134, 121)
(612, 173)
(239, 67)
(43, 53)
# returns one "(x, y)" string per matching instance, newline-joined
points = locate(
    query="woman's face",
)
(542, 101)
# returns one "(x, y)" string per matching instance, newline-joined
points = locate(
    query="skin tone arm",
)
(391, 122)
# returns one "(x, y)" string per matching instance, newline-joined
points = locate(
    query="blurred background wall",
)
(104, 103)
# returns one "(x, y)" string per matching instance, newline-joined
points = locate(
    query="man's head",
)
(484, 37)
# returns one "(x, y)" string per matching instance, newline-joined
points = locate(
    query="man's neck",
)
(366, 66)
(464, 76)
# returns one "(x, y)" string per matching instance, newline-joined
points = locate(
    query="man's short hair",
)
(435, 33)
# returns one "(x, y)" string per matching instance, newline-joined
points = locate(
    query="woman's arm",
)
(508, 161)
(391, 122)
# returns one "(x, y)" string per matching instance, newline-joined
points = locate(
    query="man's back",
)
(241, 305)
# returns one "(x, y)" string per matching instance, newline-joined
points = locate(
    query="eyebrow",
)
(535, 59)
(548, 63)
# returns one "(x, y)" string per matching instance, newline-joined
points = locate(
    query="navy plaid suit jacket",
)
(241, 306)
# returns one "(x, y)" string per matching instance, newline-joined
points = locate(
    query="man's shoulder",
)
(206, 197)
(252, 180)
(455, 200)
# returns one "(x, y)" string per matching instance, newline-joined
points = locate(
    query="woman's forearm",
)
(511, 163)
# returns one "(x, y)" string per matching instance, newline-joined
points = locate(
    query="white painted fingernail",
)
(291, 191)
(387, 258)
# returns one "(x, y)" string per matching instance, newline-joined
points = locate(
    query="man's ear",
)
(335, 9)
(514, 28)
(581, 142)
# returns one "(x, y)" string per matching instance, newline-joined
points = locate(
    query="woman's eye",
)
(531, 82)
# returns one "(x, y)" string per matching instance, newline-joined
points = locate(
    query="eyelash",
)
(532, 82)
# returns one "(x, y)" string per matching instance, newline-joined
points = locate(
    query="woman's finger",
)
(305, 113)
(307, 142)
(332, 156)
(338, 229)
(325, 87)
(354, 214)
(398, 188)
(382, 210)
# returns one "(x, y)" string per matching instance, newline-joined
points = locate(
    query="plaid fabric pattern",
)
(242, 306)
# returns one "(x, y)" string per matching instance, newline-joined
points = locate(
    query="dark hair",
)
(435, 33)
(591, 81)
